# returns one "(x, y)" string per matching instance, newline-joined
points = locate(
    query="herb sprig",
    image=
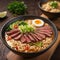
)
(17, 7)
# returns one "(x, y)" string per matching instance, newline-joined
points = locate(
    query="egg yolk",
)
(37, 21)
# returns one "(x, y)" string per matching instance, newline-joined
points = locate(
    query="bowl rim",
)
(46, 11)
(42, 51)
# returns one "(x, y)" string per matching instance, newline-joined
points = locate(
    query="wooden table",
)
(33, 9)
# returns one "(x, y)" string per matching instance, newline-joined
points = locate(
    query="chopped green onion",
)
(39, 44)
(26, 28)
(23, 23)
(53, 4)
(17, 7)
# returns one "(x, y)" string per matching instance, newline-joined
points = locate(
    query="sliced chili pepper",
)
(16, 47)
(27, 47)
(9, 38)
(15, 26)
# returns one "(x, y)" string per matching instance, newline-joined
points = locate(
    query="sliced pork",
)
(23, 39)
(44, 28)
(46, 33)
(38, 35)
(27, 39)
(15, 34)
(32, 34)
(30, 37)
(18, 37)
(13, 31)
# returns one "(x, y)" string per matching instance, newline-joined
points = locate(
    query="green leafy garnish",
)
(8, 28)
(53, 4)
(39, 44)
(17, 7)
(19, 23)
(26, 28)
(12, 25)
(23, 23)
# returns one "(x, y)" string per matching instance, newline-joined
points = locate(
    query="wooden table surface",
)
(33, 9)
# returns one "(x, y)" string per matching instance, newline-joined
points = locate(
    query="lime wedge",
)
(3, 14)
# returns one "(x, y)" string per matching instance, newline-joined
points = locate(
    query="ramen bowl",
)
(47, 10)
(28, 54)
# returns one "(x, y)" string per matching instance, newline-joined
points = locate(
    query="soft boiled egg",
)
(38, 22)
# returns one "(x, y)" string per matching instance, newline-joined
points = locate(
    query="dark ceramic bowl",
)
(28, 55)
(49, 14)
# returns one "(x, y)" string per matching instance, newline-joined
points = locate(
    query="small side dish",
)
(31, 35)
(51, 6)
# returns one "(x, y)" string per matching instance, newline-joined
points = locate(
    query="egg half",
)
(38, 22)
